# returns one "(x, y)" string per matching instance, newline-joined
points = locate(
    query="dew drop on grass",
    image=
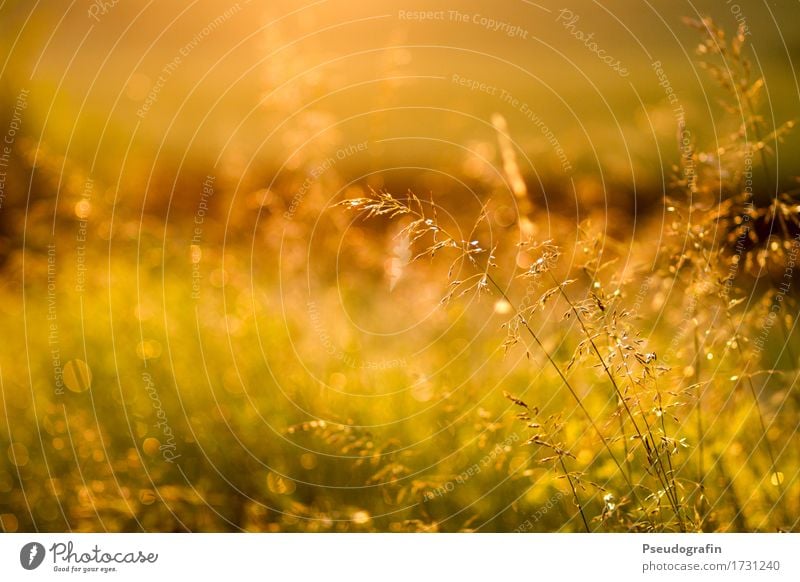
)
(83, 209)
(308, 461)
(776, 478)
(147, 496)
(280, 485)
(77, 376)
(151, 446)
(148, 349)
(361, 517)
(422, 391)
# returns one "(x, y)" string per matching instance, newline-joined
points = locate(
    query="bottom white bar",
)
(396, 557)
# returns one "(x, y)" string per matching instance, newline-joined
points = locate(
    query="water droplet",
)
(147, 496)
(83, 209)
(308, 461)
(148, 349)
(151, 446)
(279, 485)
(361, 517)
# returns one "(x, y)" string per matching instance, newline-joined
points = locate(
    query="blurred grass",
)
(273, 433)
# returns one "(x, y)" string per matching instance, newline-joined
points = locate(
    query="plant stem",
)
(624, 442)
(775, 474)
(700, 429)
(569, 387)
(666, 479)
(699, 410)
(574, 493)
(652, 445)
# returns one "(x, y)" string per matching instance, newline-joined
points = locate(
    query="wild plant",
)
(735, 232)
(546, 436)
(647, 436)
(721, 231)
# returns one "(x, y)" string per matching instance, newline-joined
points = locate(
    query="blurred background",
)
(197, 340)
(260, 84)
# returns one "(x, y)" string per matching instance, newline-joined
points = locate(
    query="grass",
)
(383, 361)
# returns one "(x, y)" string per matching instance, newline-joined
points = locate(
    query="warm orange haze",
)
(393, 267)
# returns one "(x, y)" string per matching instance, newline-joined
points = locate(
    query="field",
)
(436, 289)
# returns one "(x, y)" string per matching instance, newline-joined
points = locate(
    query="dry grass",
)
(510, 364)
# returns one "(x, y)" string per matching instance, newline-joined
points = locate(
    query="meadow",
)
(324, 344)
